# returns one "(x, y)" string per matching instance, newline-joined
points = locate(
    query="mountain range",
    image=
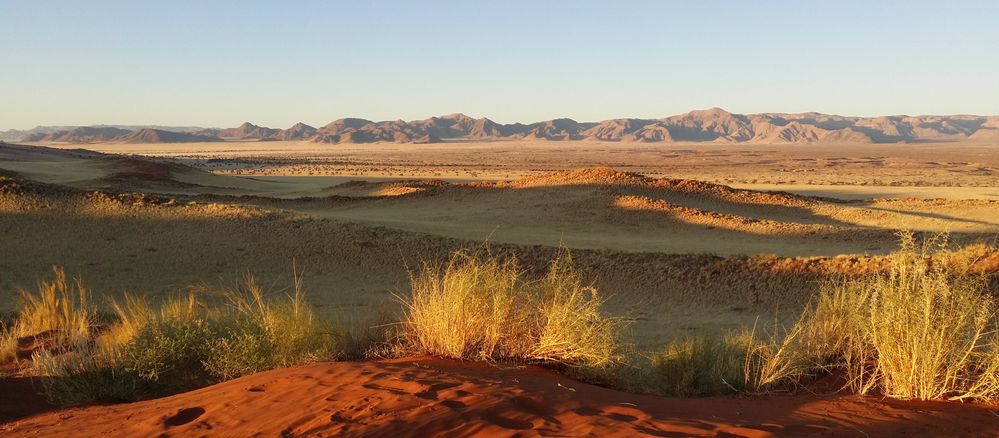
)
(710, 125)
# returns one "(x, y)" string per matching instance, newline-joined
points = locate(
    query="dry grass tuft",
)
(481, 307)
(921, 329)
(8, 343)
(55, 316)
(741, 361)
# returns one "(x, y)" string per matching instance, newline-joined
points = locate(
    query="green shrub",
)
(171, 353)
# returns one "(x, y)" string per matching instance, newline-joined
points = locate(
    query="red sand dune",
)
(432, 397)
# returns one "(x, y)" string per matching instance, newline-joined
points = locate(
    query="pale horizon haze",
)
(220, 63)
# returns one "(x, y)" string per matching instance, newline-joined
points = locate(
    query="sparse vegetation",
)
(196, 339)
(923, 327)
(482, 307)
(741, 361)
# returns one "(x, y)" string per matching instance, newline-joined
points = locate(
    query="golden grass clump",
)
(776, 362)
(57, 315)
(8, 343)
(482, 307)
(918, 330)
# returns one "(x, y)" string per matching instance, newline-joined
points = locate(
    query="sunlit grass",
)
(482, 307)
(918, 330)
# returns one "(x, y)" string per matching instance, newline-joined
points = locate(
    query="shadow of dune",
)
(939, 216)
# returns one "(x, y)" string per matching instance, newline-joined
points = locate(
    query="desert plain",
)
(681, 239)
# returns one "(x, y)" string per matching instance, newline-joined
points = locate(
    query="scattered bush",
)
(923, 328)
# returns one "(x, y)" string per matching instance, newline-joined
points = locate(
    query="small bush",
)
(287, 328)
(171, 353)
(481, 307)
(239, 352)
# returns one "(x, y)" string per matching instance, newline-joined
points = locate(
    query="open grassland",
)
(659, 285)
(118, 241)
(965, 164)
(595, 208)
(920, 327)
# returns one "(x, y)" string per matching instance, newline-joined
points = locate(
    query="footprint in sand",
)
(588, 411)
(430, 393)
(503, 421)
(622, 417)
(454, 404)
(534, 406)
(184, 416)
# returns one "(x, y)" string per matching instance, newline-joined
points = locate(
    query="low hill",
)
(86, 134)
(248, 131)
(298, 131)
(161, 136)
(366, 131)
(39, 132)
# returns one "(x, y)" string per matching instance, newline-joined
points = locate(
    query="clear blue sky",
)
(219, 63)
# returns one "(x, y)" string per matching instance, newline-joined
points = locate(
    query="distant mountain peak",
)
(703, 125)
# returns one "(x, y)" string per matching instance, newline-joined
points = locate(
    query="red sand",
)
(427, 397)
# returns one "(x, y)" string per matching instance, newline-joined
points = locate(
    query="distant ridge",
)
(160, 136)
(248, 131)
(709, 125)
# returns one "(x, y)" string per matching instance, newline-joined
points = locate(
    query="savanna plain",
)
(523, 287)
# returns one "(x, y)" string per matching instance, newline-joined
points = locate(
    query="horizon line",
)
(376, 120)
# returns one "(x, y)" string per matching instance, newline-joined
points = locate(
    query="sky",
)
(220, 63)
